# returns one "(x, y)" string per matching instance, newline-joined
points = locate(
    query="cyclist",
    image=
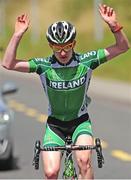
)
(65, 77)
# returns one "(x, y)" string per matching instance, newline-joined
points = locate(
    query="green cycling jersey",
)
(66, 85)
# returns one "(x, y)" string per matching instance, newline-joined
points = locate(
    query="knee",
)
(51, 172)
(84, 162)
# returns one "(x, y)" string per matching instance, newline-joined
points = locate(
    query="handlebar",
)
(69, 147)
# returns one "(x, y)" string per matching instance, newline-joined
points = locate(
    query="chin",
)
(64, 61)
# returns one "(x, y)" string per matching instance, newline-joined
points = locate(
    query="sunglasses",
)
(66, 48)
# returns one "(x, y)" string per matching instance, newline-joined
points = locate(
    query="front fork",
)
(69, 171)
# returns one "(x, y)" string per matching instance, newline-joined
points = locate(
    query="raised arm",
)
(121, 45)
(9, 60)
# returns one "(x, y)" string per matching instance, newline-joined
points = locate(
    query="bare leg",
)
(84, 158)
(51, 164)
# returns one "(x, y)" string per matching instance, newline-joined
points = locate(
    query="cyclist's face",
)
(63, 52)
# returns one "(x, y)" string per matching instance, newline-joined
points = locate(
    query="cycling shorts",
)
(57, 130)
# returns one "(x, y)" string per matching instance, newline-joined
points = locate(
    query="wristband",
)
(116, 28)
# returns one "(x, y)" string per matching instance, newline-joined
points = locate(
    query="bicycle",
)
(69, 168)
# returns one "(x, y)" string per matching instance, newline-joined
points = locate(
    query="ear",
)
(74, 43)
(50, 45)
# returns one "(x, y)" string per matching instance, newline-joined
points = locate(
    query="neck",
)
(64, 64)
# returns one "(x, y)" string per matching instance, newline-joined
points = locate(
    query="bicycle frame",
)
(69, 170)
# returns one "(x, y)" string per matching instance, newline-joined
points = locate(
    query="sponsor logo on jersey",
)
(63, 85)
(86, 55)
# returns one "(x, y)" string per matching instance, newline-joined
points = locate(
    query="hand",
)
(22, 24)
(108, 15)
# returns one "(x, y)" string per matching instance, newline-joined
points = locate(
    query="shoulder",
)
(42, 61)
(40, 65)
(93, 58)
(90, 55)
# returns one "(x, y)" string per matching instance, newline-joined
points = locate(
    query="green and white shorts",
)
(57, 130)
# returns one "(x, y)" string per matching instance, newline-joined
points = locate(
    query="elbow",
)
(128, 46)
(6, 66)
(124, 48)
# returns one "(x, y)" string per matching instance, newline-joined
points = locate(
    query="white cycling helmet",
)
(61, 32)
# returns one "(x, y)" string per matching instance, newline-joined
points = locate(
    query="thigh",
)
(51, 160)
(85, 128)
(83, 135)
(51, 137)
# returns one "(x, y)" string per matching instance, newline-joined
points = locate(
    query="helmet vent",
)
(61, 32)
(66, 27)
